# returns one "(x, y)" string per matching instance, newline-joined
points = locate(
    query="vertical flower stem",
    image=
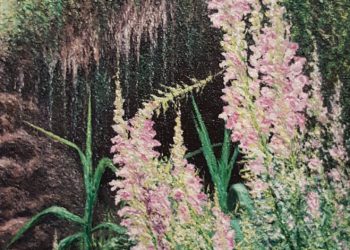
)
(268, 160)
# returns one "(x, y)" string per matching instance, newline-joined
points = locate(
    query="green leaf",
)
(206, 143)
(83, 159)
(237, 228)
(59, 212)
(110, 226)
(226, 146)
(225, 167)
(103, 164)
(69, 240)
(59, 139)
(225, 175)
(234, 157)
(200, 150)
(239, 193)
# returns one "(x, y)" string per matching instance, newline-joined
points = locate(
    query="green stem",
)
(88, 216)
(223, 197)
(91, 191)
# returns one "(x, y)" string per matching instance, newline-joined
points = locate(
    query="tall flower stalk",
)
(164, 206)
(266, 105)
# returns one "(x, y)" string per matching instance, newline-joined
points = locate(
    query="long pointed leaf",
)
(205, 140)
(226, 168)
(234, 157)
(66, 242)
(110, 226)
(225, 175)
(59, 139)
(103, 164)
(70, 144)
(199, 151)
(226, 146)
(59, 212)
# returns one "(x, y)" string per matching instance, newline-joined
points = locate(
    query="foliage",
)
(28, 19)
(165, 206)
(297, 179)
(298, 199)
(106, 239)
(220, 170)
(235, 197)
(92, 178)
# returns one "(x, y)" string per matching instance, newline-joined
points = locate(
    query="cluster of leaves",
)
(27, 19)
(230, 198)
(219, 169)
(92, 179)
(107, 240)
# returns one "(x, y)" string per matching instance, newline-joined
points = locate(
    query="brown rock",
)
(35, 173)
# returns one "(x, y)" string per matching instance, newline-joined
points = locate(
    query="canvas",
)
(174, 124)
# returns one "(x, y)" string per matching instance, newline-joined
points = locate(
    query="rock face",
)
(35, 173)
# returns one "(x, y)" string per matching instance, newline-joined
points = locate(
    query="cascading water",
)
(51, 63)
(145, 40)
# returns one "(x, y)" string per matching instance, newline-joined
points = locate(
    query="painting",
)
(174, 124)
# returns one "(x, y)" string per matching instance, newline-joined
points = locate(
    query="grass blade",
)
(61, 140)
(226, 167)
(226, 146)
(58, 139)
(59, 212)
(225, 170)
(66, 242)
(234, 157)
(205, 141)
(110, 226)
(200, 150)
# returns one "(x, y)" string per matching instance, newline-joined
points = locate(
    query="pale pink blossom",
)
(273, 87)
(158, 194)
(258, 187)
(334, 175)
(224, 236)
(257, 166)
(315, 164)
(313, 203)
